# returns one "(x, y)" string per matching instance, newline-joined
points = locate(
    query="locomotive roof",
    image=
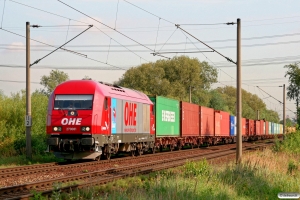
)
(106, 89)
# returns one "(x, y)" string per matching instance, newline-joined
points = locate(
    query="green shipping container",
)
(166, 116)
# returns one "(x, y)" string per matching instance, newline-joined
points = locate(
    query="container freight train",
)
(92, 120)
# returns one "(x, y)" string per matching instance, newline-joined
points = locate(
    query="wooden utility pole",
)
(239, 144)
(284, 122)
(28, 98)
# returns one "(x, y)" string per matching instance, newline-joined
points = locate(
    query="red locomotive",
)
(88, 119)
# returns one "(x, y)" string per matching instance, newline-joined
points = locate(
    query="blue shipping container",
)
(232, 125)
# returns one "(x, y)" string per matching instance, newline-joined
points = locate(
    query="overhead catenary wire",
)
(18, 81)
(46, 11)
(227, 58)
(76, 53)
(181, 43)
(72, 67)
(204, 54)
(121, 44)
(117, 15)
(157, 34)
(3, 13)
(105, 25)
(37, 61)
(173, 52)
(68, 30)
(108, 50)
(147, 11)
(75, 21)
(227, 23)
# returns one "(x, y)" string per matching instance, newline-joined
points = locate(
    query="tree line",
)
(174, 78)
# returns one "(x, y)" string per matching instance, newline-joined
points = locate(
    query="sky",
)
(125, 34)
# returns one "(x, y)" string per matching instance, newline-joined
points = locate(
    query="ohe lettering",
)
(71, 121)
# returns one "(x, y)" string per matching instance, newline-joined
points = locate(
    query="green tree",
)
(250, 104)
(50, 82)
(217, 102)
(293, 90)
(171, 78)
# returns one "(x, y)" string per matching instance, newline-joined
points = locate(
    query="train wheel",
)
(139, 152)
(132, 153)
(97, 158)
(108, 156)
(153, 150)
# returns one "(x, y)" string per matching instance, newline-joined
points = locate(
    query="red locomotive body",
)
(88, 118)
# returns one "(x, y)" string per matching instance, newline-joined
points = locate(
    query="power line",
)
(228, 23)
(73, 20)
(18, 81)
(3, 13)
(204, 54)
(106, 25)
(148, 12)
(178, 43)
(270, 19)
(69, 67)
(37, 61)
(46, 11)
(121, 44)
(228, 59)
(76, 53)
(43, 42)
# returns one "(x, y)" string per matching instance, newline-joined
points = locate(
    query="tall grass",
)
(290, 144)
(261, 175)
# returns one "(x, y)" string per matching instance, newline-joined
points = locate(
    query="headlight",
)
(85, 128)
(57, 128)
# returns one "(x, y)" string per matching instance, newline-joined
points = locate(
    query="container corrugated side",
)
(257, 127)
(250, 127)
(208, 121)
(167, 116)
(217, 124)
(262, 127)
(267, 128)
(189, 123)
(224, 123)
(244, 126)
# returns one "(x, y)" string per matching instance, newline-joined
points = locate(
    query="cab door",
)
(105, 124)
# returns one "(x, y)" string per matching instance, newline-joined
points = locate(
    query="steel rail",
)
(48, 167)
(104, 176)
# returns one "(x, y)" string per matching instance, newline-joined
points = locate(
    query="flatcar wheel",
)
(153, 150)
(132, 153)
(97, 158)
(139, 152)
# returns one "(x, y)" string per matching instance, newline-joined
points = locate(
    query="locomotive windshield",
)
(77, 102)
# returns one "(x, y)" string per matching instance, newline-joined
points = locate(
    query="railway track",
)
(29, 170)
(139, 165)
